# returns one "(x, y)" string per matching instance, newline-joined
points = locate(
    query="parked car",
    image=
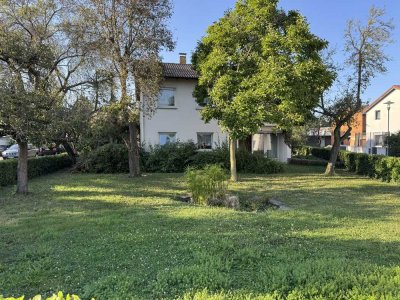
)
(5, 142)
(13, 151)
(52, 150)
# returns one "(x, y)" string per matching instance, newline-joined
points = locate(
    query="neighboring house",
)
(380, 120)
(356, 141)
(319, 137)
(177, 117)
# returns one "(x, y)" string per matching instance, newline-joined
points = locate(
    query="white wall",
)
(376, 126)
(184, 118)
(262, 142)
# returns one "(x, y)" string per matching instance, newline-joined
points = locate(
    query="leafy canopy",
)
(259, 64)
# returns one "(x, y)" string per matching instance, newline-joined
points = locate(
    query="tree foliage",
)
(259, 64)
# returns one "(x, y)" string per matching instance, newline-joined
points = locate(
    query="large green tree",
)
(259, 64)
(40, 54)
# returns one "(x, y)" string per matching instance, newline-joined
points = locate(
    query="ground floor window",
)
(204, 140)
(167, 137)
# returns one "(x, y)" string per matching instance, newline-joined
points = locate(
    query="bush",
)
(59, 296)
(109, 158)
(348, 159)
(322, 153)
(170, 158)
(257, 163)
(207, 183)
(36, 167)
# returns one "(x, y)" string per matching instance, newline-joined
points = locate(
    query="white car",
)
(13, 151)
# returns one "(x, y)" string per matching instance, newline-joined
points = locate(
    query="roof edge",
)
(380, 98)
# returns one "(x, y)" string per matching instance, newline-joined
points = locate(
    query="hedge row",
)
(322, 153)
(174, 158)
(36, 167)
(381, 167)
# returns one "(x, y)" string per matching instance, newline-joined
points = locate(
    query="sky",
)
(327, 19)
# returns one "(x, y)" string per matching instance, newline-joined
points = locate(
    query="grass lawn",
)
(112, 237)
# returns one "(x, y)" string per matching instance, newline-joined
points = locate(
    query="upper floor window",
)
(204, 140)
(167, 137)
(166, 98)
(377, 115)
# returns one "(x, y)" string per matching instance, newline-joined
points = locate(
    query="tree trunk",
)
(330, 168)
(22, 168)
(133, 155)
(70, 151)
(232, 154)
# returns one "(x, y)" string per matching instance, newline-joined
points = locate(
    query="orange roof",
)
(392, 88)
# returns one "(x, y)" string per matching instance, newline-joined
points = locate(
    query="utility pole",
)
(388, 126)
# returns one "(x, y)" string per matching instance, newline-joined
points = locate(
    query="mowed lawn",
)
(112, 237)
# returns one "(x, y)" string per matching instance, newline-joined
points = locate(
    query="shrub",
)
(348, 159)
(207, 183)
(109, 158)
(59, 296)
(170, 158)
(307, 162)
(36, 167)
(256, 163)
(322, 153)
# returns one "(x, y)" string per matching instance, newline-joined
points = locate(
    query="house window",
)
(166, 98)
(377, 115)
(204, 140)
(167, 137)
(380, 139)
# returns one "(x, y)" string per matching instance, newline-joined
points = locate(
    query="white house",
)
(382, 117)
(177, 117)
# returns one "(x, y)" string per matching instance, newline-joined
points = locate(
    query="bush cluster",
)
(175, 158)
(207, 183)
(36, 167)
(375, 166)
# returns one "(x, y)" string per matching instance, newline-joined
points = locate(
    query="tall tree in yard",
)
(259, 64)
(39, 57)
(364, 45)
(130, 34)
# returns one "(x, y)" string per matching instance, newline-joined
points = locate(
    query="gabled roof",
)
(171, 70)
(383, 96)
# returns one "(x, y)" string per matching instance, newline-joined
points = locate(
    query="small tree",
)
(39, 57)
(364, 45)
(259, 64)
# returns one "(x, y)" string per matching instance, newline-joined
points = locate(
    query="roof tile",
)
(171, 70)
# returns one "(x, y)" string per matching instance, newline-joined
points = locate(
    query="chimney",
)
(182, 58)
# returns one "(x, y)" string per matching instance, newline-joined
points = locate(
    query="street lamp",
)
(388, 128)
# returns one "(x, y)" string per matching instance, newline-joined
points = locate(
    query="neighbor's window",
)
(166, 98)
(204, 140)
(377, 115)
(167, 137)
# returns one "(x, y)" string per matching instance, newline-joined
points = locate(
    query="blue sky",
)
(327, 19)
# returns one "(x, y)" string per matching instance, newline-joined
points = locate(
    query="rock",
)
(216, 202)
(279, 204)
(232, 202)
(185, 199)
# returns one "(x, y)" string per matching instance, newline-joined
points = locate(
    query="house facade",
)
(177, 118)
(382, 118)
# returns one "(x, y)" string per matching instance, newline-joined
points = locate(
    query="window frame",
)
(167, 106)
(377, 114)
(211, 142)
(166, 133)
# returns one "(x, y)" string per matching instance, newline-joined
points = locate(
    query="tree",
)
(129, 35)
(40, 53)
(364, 46)
(259, 64)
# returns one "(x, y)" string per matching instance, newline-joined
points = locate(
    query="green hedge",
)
(175, 158)
(375, 166)
(322, 153)
(36, 167)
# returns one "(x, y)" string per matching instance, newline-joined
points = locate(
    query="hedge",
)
(36, 167)
(381, 167)
(174, 158)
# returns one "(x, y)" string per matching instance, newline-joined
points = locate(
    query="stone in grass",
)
(186, 199)
(279, 204)
(229, 201)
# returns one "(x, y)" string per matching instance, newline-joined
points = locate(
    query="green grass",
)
(113, 237)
